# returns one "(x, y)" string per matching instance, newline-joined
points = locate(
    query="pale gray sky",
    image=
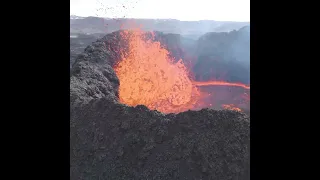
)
(220, 10)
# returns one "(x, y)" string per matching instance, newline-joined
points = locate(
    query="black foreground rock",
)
(109, 140)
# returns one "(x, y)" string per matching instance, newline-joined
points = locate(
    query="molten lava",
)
(148, 76)
(231, 107)
(220, 83)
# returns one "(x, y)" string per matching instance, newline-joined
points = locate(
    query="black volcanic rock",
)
(109, 140)
(78, 42)
(92, 75)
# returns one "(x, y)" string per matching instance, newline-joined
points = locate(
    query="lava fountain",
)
(148, 76)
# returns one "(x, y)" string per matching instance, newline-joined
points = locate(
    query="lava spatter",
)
(149, 77)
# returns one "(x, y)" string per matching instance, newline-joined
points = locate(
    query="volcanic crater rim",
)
(106, 49)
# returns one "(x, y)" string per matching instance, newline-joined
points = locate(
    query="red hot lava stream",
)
(220, 83)
(148, 76)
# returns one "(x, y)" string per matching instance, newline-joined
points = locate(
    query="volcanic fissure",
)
(149, 76)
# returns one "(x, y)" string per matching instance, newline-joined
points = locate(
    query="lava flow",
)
(148, 76)
(220, 83)
(231, 107)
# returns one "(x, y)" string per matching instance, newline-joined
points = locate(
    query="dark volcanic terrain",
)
(109, 140)
(78, 42)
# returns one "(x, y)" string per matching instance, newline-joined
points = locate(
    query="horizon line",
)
(159, 19)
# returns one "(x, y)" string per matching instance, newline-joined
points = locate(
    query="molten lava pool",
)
(148, 76)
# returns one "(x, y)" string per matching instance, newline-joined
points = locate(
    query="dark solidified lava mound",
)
(109, 140)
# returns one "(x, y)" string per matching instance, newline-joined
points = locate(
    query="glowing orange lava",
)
(220, 83)
(148, 76)
(231, 107)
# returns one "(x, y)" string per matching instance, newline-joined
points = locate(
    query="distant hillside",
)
(93, 25)
(224, 53)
